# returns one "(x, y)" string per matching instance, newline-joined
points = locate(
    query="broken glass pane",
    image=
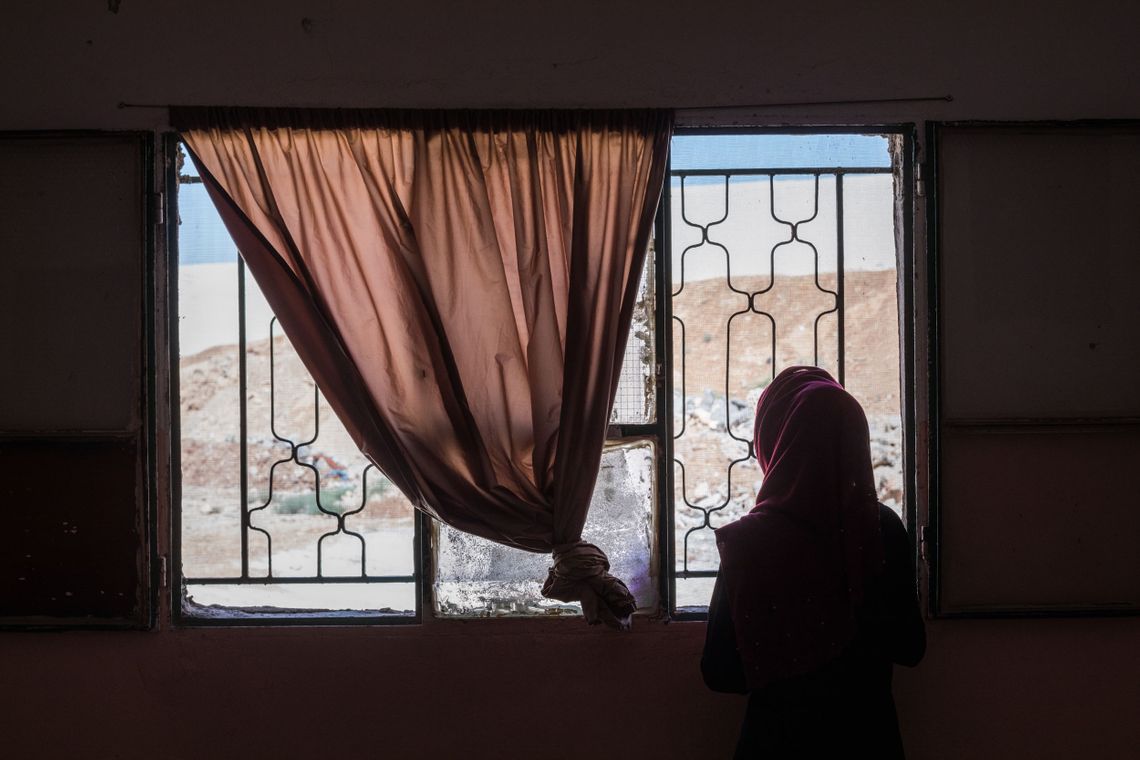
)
(479, 578)
(636, 399)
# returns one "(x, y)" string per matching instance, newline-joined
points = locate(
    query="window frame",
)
(425, 528)
(171, 142)
(903, 169)
(660, 431)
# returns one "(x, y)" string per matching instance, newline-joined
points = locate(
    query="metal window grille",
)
(741, 326)
(282, 444)
(296, 457)
(661, 395)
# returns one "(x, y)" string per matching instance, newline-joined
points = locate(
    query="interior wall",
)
(69, 64)
(988, 688)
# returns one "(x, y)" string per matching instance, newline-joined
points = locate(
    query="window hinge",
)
(163, 572)
(157, 207)
(919, 181)
(922, 542)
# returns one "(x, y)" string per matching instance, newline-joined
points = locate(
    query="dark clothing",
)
(798, 564)
(846, 706)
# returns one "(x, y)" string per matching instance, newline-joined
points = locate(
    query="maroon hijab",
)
(795, 568)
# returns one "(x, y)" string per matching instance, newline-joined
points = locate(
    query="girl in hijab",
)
(815, 598)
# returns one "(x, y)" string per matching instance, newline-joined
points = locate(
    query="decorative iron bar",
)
(754, 298)
(293, 458)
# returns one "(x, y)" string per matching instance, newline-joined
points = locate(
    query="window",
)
(280, 516)
(475, 577)
(772, 249)
(783, 250)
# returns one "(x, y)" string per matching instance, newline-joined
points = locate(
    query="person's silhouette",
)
(816, 595)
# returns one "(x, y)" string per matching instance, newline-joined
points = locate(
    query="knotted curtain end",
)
(581, 574)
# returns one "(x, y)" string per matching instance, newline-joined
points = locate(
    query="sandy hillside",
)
(710, 410)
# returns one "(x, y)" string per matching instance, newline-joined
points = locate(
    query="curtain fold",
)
(460, 284)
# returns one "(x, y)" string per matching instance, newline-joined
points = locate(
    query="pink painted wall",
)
(1029, 688)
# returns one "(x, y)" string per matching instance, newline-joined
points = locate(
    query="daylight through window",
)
(773, 249)
(782, 251)
(281, 514)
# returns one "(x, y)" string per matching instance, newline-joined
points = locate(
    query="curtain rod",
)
(790, 104)
(718, 107)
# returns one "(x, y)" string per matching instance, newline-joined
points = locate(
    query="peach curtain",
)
(460, 284)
